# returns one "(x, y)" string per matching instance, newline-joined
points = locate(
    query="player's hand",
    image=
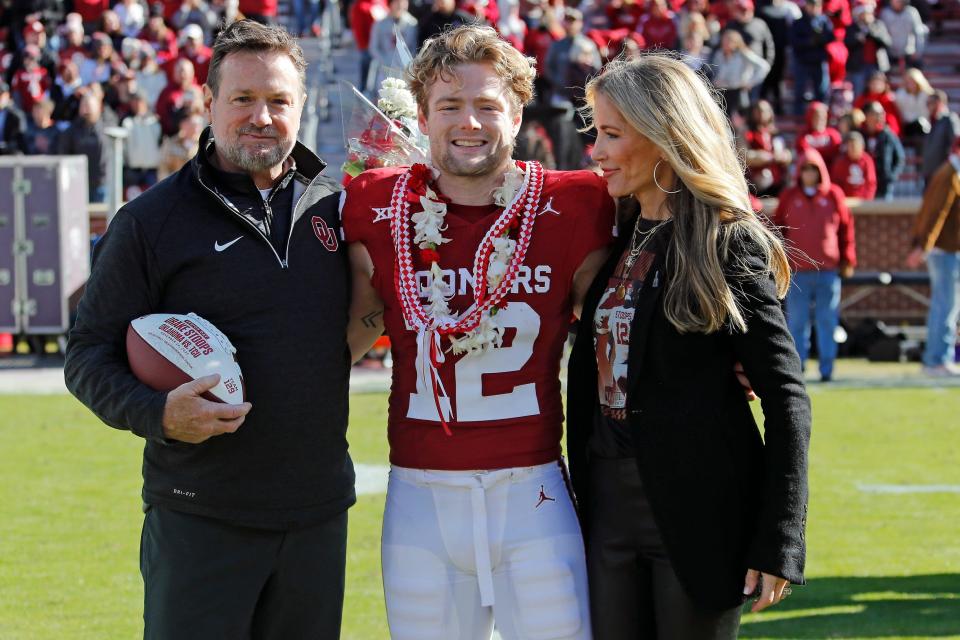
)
(773, 589)
(846, 271)
(744, 381)
(916, 258)
(188, 417)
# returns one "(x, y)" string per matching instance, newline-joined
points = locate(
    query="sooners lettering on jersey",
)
(505, 403)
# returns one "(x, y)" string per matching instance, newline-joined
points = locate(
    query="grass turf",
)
(879, 565)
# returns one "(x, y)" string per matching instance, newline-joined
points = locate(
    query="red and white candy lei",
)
(496, 263)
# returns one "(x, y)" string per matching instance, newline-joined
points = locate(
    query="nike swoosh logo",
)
(223, 247)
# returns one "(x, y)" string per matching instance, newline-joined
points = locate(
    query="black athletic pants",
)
(204, 578)
(634, 592)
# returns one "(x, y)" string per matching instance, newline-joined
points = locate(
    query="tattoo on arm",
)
(372, 319)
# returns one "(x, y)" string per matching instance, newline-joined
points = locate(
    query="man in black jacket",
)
(12, 124)
(245, 527)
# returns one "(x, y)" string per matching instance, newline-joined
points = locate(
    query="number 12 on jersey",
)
(470, 405)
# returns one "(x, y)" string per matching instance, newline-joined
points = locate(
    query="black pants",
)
(204, 578)
(634, 592)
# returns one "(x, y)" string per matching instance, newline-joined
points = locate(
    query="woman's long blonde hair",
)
(671, 105)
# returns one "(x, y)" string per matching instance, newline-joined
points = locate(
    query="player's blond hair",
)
(672, 106)
(471, 44)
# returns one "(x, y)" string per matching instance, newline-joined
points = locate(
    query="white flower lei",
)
(428, 227)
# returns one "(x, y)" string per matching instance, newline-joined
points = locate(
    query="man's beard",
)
(261, 159)
(447, 163)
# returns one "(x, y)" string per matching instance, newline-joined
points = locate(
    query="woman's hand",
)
(773, 589)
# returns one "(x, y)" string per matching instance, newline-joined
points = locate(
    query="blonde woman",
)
(686, 510)
(912, 99)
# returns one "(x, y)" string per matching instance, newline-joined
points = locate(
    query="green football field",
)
(884, 522)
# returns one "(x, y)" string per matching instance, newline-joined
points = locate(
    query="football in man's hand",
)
(166, 350)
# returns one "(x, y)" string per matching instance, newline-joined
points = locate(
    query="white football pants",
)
(462, 548)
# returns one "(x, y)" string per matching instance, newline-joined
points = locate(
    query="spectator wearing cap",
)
(867, 41)
(42, 132)
(142, 145)
(814, 219)
(85, 136)
(854, 170)
(558, 55)
(193, 49)
(818, 134)
(737, 70)
(12, 124)
(944, 132)
(171, 98)
(262, 11)
(755, 32)
(884, 147)
(72, 45)
(878, 90)
(132, 15)
(63, 92)
(908, 34)
(103, 60)
(159, 36)
(31, 82)
(35, 34)
(199, 14)
(383, 37)
(809, 37)
(511, 27)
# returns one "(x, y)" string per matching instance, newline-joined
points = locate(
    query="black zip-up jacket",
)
(183, 247)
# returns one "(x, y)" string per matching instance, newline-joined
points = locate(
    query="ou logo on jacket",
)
(324, 234)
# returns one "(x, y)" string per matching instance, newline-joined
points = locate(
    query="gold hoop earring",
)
(656, 182)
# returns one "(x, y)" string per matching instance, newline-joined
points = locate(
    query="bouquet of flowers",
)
(381, 135)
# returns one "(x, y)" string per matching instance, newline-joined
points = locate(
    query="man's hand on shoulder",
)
(188, 417)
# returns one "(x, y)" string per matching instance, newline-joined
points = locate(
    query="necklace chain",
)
(645, 237)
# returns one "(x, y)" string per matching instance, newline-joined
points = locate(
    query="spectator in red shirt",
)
(193, 49)
(624, 14)
(878, 90)
(658, 26)
(171, 98)
(72, 48)
(31, 82)
(817, 134)
(854, 170)
(363, 13)
(767, 155)
(159, 36)
(815, 220)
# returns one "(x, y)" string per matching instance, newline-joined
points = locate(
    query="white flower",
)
(488, 334)
(428, 224)
(395, 99)
(499, 261)
(512, 181)
(438, 293)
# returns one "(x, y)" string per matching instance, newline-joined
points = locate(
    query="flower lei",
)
(497, 261)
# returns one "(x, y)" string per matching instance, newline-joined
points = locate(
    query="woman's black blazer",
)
(724, 498)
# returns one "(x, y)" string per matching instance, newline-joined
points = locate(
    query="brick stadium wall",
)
(883, 242)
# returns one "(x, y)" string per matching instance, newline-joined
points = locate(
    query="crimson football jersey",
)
(506, 404)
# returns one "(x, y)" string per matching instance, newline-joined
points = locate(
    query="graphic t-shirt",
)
(612, 324)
